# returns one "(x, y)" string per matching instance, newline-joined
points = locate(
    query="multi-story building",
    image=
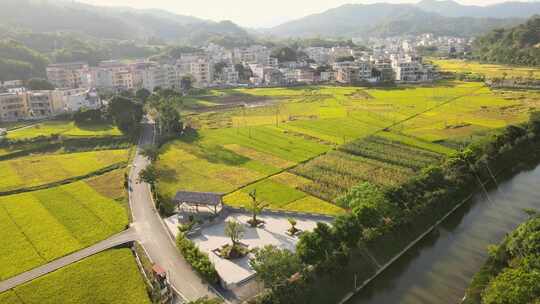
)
(39, 104)
(411, 69)
(12, 107)
(69, 75)
(305, 75)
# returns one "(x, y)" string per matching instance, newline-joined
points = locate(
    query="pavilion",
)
(191, 201)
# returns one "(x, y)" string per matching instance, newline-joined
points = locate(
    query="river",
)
(439, 268)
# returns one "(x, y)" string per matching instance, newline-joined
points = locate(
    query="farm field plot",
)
(64, 128)
(43, 169)
(489, 70)
(383, 161)
(329, 139)
(108, 277)
(226, 159)
(40, 226)
(481, 111)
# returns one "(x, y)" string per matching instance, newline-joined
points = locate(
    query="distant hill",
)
(114, 23)
(449, 8)
(517, 45)
(383, 19)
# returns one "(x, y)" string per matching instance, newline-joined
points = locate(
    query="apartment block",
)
(69, 75)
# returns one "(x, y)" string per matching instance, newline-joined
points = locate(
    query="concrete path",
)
(153, 234)
(116, 240)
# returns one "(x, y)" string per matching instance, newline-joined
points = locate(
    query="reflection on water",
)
(440, 267)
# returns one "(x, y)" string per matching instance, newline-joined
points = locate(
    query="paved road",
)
(118, 239)
(153, 234)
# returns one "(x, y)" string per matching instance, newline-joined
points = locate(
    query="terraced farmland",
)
(302, 148)
(37, 170)
(108, 277)
(40, 226)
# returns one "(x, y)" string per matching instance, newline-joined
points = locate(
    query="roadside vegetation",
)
(108, 277)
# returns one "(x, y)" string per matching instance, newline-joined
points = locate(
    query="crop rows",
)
(391, 152)
(333, 174)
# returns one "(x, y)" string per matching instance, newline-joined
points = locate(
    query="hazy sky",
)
(251, 13)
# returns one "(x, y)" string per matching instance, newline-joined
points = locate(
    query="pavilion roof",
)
(200, 198)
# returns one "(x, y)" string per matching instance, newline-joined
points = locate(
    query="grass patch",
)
(109, 277)
(37, 170)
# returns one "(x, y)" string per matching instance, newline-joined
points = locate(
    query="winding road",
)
(153, 234)
(147, 228)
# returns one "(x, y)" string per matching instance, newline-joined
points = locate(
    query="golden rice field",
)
(40, 226)
(108, 277)
(291, 143)
(63, 128)
(34, 170)
(488, 70)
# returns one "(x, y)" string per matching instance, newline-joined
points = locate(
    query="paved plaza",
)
(274, 232)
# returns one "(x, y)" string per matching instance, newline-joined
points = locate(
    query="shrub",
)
(197, 259)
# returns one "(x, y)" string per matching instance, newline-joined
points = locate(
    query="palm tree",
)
(235, 231)
(256, 207)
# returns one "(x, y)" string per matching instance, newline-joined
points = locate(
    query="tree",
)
(36, 84)
(186, 83)
(126, 115)
(345, 59)
(293, 230)
(142, 95)
(274, 265)
(151, 152)
(148, 175)
(314, 247)
(206, 300)
(255, 207)
(235, 231)
(515, 285)
(285, 54)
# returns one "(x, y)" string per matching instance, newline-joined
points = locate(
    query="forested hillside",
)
(517, 45)
(113, 23)
(386, 19)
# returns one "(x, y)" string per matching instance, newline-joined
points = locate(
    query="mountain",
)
(449, 8)
(114, 23)
(517, 45)
(383, 19)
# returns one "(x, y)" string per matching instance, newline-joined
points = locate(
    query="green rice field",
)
(108, 277)
(37, 170)
(302, 148)
(41, 226)
(64, 128)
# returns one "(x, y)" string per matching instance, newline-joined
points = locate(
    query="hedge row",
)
(197, 259)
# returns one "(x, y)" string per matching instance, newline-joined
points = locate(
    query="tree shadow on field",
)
(167, 175)
(190, 136)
